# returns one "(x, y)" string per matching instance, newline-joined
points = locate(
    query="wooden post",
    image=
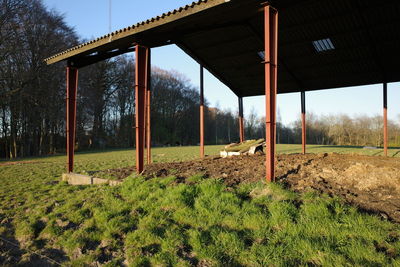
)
(201, 111)
(140, 94)
(72, 87)
(271, 62)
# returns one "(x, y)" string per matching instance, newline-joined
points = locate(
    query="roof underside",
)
(227, 36)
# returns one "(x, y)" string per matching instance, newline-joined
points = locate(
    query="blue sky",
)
(90, 18)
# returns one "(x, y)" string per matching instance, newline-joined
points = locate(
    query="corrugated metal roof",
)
(130, 29)
(226, 37)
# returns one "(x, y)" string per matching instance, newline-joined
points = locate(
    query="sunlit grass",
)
(161, 222)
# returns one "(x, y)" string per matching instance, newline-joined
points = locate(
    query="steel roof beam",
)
(192, 54)
(88, 60)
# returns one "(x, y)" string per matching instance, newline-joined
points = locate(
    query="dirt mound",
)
(371, 183)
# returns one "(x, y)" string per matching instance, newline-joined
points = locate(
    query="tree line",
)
(340, 129)
(32, 94)
(32, 99)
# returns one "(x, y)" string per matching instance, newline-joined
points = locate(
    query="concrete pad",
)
(114, 182)
(99, 181)
(64, 177)
(79, 179)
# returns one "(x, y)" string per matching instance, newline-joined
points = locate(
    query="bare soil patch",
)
(370, 183)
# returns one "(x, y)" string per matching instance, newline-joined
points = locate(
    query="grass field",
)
(159, 222)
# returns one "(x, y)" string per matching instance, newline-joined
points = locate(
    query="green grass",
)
(159, 222)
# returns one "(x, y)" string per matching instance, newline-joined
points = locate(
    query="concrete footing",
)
(79, 179)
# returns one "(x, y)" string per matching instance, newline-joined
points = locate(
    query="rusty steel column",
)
(148, 105)
(303, 121)
(140, 95)
(385, 126)
(241, 120)
(271, 62)
(201, 111)
(72, 87)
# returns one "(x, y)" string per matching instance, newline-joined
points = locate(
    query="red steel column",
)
(72, 86)
(385, 126)
(140, 94)
(241, 120)
(271, 62)
(303, 121)
(201, 111)
(148, 104)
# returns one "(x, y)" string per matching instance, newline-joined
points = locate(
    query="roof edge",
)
(164, 18)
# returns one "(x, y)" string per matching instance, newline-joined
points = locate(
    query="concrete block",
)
(77, 179)
(114, 182)
(64, 177)
(224, 154)
(254, 149)
(99, 181)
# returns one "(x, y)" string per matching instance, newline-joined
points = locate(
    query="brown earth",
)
(370, 183)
